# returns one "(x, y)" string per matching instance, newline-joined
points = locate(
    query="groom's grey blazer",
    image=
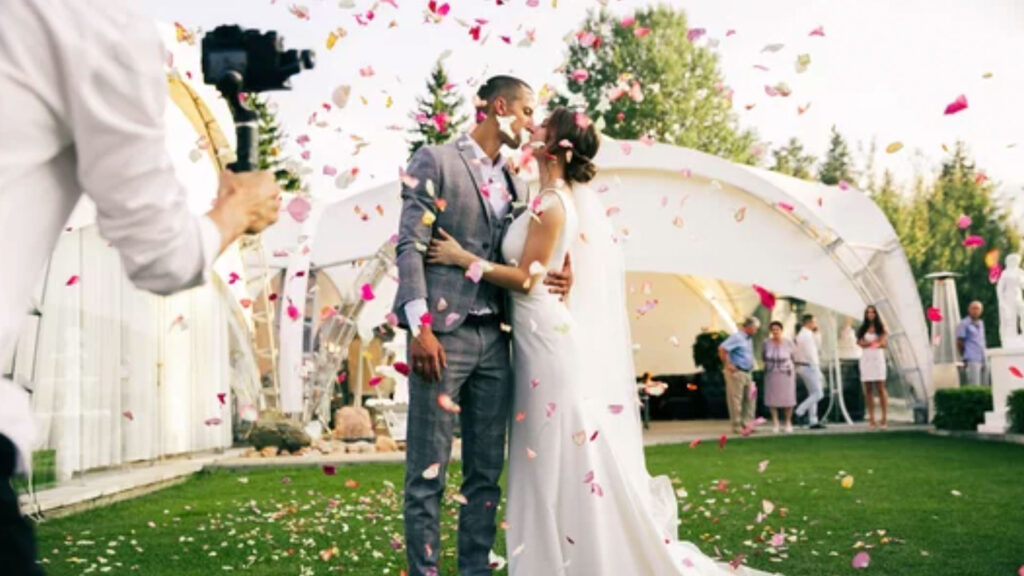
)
(452, 172)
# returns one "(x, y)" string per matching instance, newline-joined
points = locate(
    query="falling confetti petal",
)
(1016, 372)
(819, 31)
(974, 241)
(72, 281)
(401, 367)
(934, 314)
(432, 471)
(475, 271)
(894, 147)
(367, 292)
(695, 443)
(958, 105)
(299, 209)
(222, 398)
(721, 441)
(767, 298)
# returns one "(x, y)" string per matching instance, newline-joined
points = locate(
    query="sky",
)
(883, 72)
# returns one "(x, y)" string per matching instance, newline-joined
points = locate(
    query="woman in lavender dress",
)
(779, 377)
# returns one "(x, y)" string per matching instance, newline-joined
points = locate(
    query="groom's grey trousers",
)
(479, 379)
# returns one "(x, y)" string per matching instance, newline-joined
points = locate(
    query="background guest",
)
(779, 376)
(871, 337)
(970, 341)
(808, 367)
(737, 354)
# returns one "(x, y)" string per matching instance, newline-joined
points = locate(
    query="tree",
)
(791, 159)
(934, 242)
(272, 138)
(437, 115)
(648, 79)
(838, 166)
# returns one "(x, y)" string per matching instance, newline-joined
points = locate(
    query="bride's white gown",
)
(580, 500)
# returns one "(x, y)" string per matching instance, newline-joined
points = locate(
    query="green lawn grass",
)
(919, 505)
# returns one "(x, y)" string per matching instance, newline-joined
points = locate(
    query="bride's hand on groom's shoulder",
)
(560, 282)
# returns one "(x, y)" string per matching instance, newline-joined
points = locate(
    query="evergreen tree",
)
(438, 114)
(791, 159)
(271, 142)
(649, 79)
(838, 165)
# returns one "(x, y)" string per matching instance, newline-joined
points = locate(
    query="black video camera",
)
(237, 61)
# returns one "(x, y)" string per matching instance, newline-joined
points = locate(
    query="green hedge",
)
(1016, 405)
(962, 408)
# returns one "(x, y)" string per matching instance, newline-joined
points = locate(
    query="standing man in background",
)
(737, 354)
(970, 341)
(808, 368)
(84, 92)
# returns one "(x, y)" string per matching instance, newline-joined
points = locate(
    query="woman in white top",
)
(871, 337)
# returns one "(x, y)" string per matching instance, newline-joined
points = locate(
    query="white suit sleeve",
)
(116, 93)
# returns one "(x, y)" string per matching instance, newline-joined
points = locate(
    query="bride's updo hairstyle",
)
(572, 137)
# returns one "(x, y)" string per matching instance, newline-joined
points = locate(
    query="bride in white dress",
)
(580, 500)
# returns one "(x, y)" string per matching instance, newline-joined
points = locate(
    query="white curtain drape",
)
(122, 375)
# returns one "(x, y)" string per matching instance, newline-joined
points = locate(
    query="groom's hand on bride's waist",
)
(427, 355)
(560, 282)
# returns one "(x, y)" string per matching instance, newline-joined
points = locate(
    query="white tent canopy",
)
(689, 213)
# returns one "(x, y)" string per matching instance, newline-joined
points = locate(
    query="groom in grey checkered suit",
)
(457, 345)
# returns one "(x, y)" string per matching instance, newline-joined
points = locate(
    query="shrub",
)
(1016, 411)
(962, 408)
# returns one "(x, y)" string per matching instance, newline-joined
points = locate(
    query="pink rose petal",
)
(767, 298)
(964, 222)
(974, 241)
(367, 292)
(1016, 372)
(298, 208)
(861, 561)
(329, 469)
(819, 31)
(958, 105)
(222, 398)
(934, 314)
(72, 281)
(615, 409)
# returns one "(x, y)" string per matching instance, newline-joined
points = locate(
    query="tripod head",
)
(239, 61)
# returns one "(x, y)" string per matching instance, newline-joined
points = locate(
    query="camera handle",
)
(246, 127)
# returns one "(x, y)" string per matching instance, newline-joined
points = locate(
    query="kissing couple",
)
(516, 311)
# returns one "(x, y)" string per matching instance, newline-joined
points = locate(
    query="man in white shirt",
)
(83, 94)
(808, 367)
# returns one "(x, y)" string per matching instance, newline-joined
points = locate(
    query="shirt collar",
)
(483, 157)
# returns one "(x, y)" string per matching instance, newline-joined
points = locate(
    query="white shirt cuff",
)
(211, 239)
(414, 311)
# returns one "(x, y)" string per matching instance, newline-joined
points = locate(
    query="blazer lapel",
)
(473, 167)
(518, 192)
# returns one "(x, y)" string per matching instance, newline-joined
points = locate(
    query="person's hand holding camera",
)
(247, 203)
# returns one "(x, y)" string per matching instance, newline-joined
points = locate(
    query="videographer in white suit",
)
(82, 97)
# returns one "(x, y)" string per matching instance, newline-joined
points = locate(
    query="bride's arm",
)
(541, 239)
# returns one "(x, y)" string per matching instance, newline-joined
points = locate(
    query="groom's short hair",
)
(508, 87)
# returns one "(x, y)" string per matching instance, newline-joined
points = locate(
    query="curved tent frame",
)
(685, 212)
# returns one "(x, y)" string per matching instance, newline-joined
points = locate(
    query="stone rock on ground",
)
(273, 429)
(351, 423)
(386, 444)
